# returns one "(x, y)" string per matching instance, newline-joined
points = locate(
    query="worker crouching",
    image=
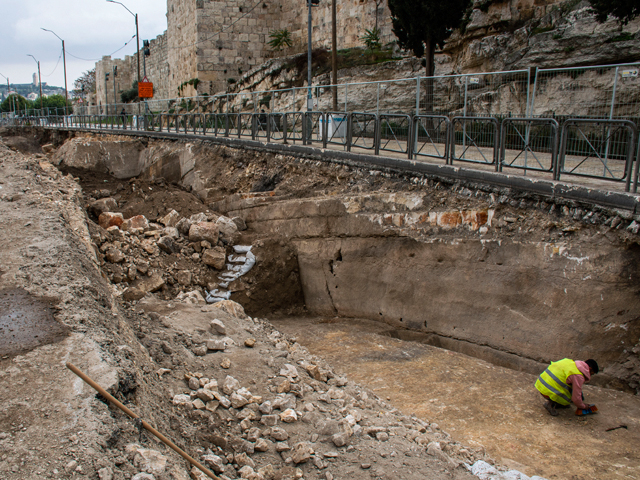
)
(561, 384)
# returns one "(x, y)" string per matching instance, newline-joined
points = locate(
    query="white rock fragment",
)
(182, 400)
(216, 345)
(218, 327)
(289, 416)
(230, 385)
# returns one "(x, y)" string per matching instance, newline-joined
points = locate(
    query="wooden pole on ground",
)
(147, 427)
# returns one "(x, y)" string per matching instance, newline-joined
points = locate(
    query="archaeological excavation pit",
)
(446, 299)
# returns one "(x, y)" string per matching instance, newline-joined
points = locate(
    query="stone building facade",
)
(216, 41)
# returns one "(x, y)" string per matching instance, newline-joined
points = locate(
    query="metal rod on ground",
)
(147, 427)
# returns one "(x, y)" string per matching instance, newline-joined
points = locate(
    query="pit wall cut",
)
(518, 287)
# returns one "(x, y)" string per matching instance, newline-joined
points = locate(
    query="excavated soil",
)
(147, 351)
(273, 410)
(26, 322)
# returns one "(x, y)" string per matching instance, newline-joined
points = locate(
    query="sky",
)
(89, 28)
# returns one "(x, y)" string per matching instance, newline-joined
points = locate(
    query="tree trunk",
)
(430, 49)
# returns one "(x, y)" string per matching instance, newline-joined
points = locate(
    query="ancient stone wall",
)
(181, 45)
(217, 41)
(126, 73)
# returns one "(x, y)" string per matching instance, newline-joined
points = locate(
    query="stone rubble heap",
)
(294, 417)
(131, 251)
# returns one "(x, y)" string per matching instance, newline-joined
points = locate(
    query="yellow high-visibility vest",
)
(553, 381)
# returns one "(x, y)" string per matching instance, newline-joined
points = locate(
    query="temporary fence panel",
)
(607, 92)
(529, 144)
(477, 137)
(481, 94)
(598, 148)
(431, 137)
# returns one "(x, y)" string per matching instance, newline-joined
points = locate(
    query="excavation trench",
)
(374, 270)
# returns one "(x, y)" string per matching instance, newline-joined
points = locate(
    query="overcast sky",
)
(90, 29)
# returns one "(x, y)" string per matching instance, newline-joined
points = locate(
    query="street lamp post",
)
(64, 63)
(135, 15)
(39, 79)
(8, 87)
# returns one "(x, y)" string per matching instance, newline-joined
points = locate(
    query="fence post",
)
(377, 100)
(464, 114)
(608, 131)
(349, 131)
(418, 95)
(346, 93)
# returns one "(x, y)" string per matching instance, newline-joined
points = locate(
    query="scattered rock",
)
(301, 452)
(250, 342)
(110, 219)
(167, 245)
(215, 257)
(206, 231)
(103, 205)
(171, 219)
(340, 439)
(216, 345)
(218, 327)
(136, 222)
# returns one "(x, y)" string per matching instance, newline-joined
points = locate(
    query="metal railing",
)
(596, 148)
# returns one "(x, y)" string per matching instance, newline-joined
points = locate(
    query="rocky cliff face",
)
(516, 34)
(499, 35)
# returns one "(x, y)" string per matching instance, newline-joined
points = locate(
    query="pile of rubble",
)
(273, 411)
(187, 256)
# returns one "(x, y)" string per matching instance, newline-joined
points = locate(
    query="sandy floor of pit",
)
(479, 403)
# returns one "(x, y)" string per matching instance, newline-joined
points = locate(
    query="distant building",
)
(35, 79)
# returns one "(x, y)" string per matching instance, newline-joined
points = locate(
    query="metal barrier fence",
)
(596, 148)
(604, 91)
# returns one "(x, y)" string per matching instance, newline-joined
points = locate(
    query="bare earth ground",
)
(46, 250)
(481, 404)
(52, 425)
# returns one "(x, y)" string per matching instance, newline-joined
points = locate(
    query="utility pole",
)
(39, 78)
(334, 55)
(115, 98)
(64, 63)
(8, 92)
(309, 96)
(106, 92)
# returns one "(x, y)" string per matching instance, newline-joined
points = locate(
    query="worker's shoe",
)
(550, 408)
(559, 405)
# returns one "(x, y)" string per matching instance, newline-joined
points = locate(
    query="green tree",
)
(623, 10)
(85, 84)
(423, 25)
(53, 103)
(17, 102)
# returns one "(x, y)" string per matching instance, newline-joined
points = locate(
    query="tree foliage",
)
(280, 39)
(371, 39)
(86, 82)
(623, 10)
(422, 25)
(17, 102)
